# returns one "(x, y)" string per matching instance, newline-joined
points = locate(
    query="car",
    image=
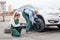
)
(45, 17)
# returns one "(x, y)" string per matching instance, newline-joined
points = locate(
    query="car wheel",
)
(38, 25)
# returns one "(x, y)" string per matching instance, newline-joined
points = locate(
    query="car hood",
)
(50, 11)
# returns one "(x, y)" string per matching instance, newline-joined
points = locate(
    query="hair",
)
(16, 14)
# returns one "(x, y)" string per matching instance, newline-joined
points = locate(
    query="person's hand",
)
(33, 22)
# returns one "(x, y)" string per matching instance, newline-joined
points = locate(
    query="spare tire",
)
(39, 25)
(7, 31)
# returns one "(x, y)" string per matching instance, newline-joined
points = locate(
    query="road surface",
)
(49, 34)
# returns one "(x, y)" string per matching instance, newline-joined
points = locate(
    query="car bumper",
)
(52, 20)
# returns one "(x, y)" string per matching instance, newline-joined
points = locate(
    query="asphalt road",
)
(49, 34)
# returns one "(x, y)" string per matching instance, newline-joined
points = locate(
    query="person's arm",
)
(31, 16)
(13, 23)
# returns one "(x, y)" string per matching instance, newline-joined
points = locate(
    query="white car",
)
(44, 18)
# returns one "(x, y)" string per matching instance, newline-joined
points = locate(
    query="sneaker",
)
(28, 32)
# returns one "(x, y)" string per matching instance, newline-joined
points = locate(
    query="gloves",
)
(33, 21)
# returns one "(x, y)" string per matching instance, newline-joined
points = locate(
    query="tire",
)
(39, 25)
(7, 31)
(58, 26)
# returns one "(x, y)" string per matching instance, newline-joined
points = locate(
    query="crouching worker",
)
(15, 25)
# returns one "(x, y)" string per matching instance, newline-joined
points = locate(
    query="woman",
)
(15, 25)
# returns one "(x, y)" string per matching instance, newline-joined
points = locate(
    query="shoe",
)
(28, 32)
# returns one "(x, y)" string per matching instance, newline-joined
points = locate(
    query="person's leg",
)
(31, 28)
(28, 27)
(28, 22)
(19, 29)
(14, 32)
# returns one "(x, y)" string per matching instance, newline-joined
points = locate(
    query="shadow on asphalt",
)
(52, 30)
